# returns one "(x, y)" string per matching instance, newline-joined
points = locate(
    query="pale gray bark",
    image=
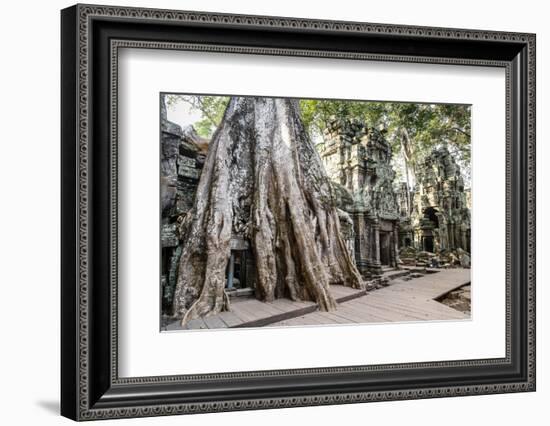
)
(263, 180)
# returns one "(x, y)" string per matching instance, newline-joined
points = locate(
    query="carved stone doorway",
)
(385, 246)
(429, 243)
(236, 272)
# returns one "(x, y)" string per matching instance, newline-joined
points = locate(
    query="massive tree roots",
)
(262, 181)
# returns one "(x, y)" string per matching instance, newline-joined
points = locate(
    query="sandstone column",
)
(451, 228)
(361, 241)
(396, 243)
(375, 265)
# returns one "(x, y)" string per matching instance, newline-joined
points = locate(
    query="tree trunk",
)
(407, 148)
(263, 181)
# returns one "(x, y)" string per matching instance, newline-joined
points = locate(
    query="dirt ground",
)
(459, 299)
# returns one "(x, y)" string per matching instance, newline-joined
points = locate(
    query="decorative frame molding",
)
(91, 37)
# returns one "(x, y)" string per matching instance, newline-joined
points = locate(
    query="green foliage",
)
(212, 109)
(416, 129)
(315, 113)
(413, 129)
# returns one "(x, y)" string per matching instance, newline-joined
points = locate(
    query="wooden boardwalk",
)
(411, 300)
(402, 301)
(253, 313)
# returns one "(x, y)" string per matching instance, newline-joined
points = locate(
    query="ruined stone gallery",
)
(281, 212)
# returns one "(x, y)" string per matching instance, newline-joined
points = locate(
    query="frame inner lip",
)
(115, 44)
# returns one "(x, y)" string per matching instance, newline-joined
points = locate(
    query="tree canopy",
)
(413, 129)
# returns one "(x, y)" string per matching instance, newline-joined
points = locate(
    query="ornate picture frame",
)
(91, 37)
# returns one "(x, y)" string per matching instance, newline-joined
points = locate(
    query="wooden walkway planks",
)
(402, 301)
(249, 313)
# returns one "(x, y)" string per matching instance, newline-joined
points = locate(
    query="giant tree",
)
(262, 179)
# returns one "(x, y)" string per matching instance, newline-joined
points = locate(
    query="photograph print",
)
(279, 212)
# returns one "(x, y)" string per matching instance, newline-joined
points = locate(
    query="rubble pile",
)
(407, 256)
(457, 258)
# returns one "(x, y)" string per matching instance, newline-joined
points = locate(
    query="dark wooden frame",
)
(90, 386)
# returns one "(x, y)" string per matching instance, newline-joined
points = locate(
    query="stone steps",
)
(396, 273)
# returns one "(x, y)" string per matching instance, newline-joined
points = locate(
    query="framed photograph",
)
(263, 212)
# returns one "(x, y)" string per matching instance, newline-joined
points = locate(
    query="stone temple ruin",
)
(385, 224)
(438, 219)
(358, 161)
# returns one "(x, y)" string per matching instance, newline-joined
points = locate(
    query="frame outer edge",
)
(80, 184)
(531, 200)
(69, 220)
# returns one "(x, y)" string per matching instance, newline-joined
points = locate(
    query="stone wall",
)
(182, 154)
